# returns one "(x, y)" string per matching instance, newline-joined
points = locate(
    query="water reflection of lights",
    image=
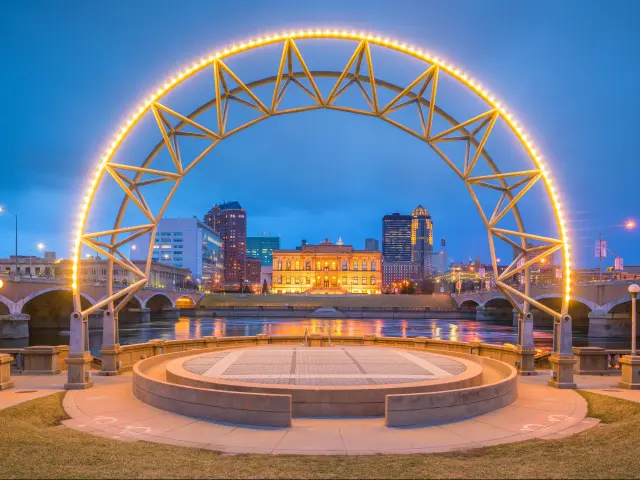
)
(440, 329)
(181, 329)
(219, 328)
(453, 332)
(378, 325)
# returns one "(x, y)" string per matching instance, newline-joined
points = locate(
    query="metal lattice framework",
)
(420, 94)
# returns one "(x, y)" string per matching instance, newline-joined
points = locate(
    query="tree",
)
(408, 288)
(265, 287)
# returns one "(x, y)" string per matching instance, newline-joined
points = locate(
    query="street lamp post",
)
(629, 225)
(633, 290)
(630, 364)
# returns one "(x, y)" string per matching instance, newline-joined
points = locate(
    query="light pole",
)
(633, 290)
(629, 225)
(2, 210)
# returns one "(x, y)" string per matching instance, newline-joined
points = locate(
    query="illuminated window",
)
(288, 280)
(297, 265)
(354, 280)
(373, 280)
(355, 266)
(344, 280)
(307, 266)
(279, 264)
(364, 280)
(308, 280)
(288, 265)
(364, 266)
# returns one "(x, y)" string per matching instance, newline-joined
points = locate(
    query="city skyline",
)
(26, 190)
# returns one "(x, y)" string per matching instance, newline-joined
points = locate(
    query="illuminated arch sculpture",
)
(421, 93)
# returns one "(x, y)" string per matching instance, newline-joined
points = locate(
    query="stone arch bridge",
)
(48, 303)
(604, 308)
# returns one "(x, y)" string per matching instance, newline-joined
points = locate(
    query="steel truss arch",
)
(412, 94)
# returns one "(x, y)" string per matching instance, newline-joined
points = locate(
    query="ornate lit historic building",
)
(326, 268)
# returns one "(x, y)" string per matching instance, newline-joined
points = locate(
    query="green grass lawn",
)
(33, 445)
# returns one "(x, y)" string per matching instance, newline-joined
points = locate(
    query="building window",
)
(373, 266)
(355, 266)
(364, 266)
(297, 265)
(288, 280)
(373, 280)
(307, 266)
(288, 265)
(344, 280)
(308, 280)
(345, 266)
(280, 265)
(364, 280)
(280, 279)
(354, 280)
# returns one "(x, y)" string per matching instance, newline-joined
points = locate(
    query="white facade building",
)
(185, 243)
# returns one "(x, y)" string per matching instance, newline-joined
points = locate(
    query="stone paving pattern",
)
(338, 366)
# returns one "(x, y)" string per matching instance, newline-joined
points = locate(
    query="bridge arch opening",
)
(469, 304)
(578, 310)
(498, 309)
(4, 308)
(622, 308)
(130, 312)
(185, 302)
(158, 303)
(52, 309)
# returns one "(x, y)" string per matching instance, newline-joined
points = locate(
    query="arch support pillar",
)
(79, 359)
(526, 347)
(110, 344)
(562, 359)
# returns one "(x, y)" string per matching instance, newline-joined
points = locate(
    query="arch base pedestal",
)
(630, 372)
(79, 371)
(562, 371)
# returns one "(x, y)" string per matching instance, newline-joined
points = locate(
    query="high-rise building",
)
(439, 260)
(262, 247)
(396, 238)
(421, 240)
(252, 277)
(371, 244)
(230, 221)
(185, 243)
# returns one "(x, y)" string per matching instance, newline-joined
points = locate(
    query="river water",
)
(444, 329)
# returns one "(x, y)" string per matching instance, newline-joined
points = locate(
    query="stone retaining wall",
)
(432, 407)
(122, 358)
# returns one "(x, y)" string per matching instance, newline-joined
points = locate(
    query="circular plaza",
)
(270, 385)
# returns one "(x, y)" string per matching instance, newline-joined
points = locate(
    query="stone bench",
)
(499, 389)
(224, 406)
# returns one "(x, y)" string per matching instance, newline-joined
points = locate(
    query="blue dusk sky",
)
(568, 70)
